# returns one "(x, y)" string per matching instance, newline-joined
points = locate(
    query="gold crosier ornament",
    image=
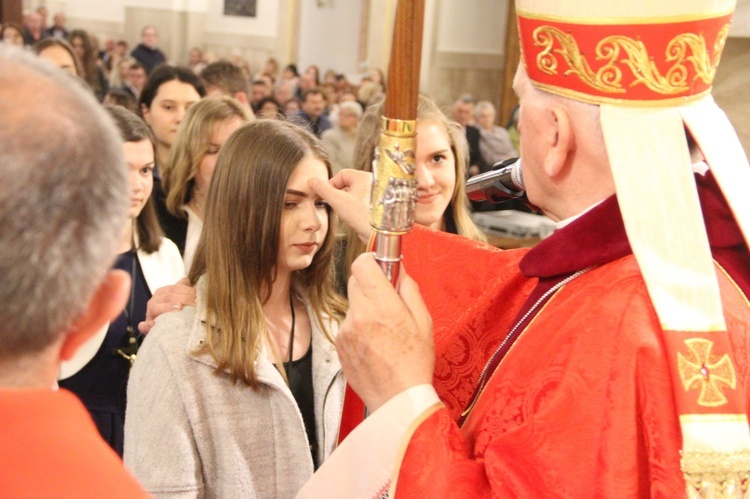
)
(394, 190)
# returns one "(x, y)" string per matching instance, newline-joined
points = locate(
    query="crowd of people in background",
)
(173, 121)
(117, 72)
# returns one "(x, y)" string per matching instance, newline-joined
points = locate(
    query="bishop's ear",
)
(561, 142)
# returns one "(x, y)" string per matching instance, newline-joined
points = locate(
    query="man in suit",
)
(462, 112)
(58, 29)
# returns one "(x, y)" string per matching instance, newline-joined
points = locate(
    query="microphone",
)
(502, 183)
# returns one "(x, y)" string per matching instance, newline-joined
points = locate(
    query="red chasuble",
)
(582, 403)
(472, 291)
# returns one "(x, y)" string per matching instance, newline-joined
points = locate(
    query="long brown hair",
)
(239, 246)
(88, 61)
(133, 129)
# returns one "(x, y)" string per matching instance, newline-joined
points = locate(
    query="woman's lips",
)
(307, 247)
(426, 198)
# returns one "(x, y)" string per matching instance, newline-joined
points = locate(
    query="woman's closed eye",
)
(292, 203)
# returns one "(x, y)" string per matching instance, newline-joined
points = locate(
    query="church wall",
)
(741, 20)
(318, 43)
(467, 50)
(731, 88)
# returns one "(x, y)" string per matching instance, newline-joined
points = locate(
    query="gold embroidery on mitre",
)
(716, 474)
(705, 68)
(684, 49)
(607, 79)
(721, 40)
(707, 371)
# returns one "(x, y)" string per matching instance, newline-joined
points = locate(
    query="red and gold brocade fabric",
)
(581, 406)
(473, 292)
(647, 61)
(583, 403)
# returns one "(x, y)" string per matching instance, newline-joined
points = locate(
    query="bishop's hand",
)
(385, 343)
(348, 193)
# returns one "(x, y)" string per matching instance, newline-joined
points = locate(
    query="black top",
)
(101, 384)
(475, 154)
(450, 221)
(299, 373)
(175, 228)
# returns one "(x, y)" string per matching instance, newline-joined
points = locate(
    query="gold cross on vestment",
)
(701, 369)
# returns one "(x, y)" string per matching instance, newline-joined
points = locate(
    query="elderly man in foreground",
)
(63, 202)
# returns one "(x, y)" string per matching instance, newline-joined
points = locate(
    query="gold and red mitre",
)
(612, 54)
(649, 66)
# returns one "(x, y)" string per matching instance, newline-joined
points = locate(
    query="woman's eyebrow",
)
(296, 193)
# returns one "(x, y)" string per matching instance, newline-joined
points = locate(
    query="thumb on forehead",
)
(326, 191)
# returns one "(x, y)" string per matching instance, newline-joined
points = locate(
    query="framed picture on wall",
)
(244, 8)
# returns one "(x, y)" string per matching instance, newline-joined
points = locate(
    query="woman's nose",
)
(181, 111)
(135, 182)
(424, 176)
(312, 218)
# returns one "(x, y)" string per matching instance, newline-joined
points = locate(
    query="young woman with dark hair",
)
(163, 102)
(98, 373)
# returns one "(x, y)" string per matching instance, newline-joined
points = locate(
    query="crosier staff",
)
(394, 190)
